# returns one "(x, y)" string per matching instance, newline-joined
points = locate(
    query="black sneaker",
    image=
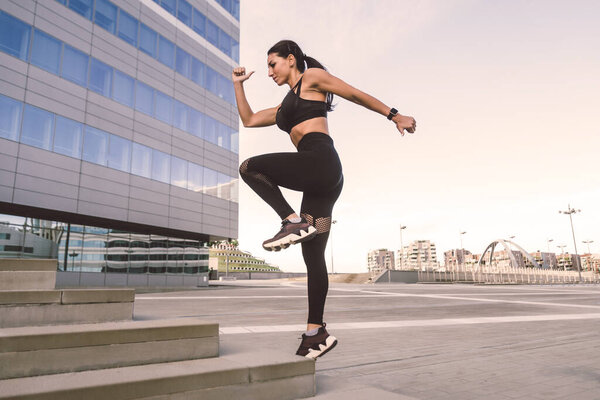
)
(290, 233)
(317, 345)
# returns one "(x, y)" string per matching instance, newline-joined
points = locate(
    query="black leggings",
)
(316, 171)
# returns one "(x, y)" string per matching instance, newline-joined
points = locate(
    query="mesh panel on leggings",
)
(322, 224)
(256, 175)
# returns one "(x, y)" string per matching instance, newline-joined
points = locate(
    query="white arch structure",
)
(505, 243)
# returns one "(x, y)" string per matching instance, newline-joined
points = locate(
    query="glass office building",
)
(120, 115)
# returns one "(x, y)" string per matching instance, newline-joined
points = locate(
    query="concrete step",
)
(260, 375)
(337, 388)
(64, 306)
(33, 351)
(27, 273)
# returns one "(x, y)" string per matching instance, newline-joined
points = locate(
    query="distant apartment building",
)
(545, 260)
(460, 258)
(379, 260)
(419, 255)
(225, 257)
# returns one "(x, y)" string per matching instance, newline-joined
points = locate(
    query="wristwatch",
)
(392, 114)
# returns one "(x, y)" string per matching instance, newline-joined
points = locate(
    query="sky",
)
(505, 95)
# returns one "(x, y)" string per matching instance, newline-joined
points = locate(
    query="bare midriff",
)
(318, 124)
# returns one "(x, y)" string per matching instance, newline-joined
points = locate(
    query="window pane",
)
(210, 182)
(184, 12)
(180, 115)
(100, 77)
(199, 23)
(163, 107)
(210, 130)
(82, 7)
(160, 166)
(212, 32)
(168, 5)
(235, 9)
(119, 153)
(128, 28)
(106, 15)
(45, 52)
(235, 146)
(179, 172)
(95, 143)
(14, 36)
(67, 137)
(144, 96)
(235, 50)
(224, 139)
(141, 160)
(235, 196)
(211, 80)
(148, 40)
(75, 65)
(224, 186)
(166, 51)
(10, 118)
(37, 129)
(195, 127)
(123, 91)
(182, 62)
(195, 175)
(223, 87)
(224, 42)
(197, 74)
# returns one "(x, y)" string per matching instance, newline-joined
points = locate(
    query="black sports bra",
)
(295, 109)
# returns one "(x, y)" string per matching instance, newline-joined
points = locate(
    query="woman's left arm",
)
(325, 82)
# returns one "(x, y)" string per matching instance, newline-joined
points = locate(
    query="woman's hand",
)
(239, 74)
(403, 122)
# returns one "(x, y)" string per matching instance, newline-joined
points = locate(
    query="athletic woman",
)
(315, 169)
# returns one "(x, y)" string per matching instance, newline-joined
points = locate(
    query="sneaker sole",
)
(290, 239)
(330, 342)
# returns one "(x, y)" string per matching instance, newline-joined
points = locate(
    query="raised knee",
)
(244, 168)
(322, 224)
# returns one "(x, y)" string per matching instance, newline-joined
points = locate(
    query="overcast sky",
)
(506, 96)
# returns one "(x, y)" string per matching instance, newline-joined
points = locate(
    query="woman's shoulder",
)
(312, 76)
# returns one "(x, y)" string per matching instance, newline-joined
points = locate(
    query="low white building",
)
(379, 260)
(418, 255)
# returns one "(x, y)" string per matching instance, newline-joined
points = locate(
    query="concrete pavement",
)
(416, 341)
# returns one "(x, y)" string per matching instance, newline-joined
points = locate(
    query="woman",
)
(314, 170)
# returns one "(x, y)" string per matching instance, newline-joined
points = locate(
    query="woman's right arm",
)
(249, 118)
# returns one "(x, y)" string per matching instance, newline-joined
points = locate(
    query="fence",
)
(507, 275)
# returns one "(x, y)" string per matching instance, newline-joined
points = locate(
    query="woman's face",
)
(279, 68)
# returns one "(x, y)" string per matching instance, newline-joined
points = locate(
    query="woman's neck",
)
(295, 76)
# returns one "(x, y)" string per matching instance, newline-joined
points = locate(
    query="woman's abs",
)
(312, 125)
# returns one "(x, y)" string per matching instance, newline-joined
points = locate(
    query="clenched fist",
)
(239, 74)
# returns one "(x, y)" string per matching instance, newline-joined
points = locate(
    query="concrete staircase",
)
(50, 350)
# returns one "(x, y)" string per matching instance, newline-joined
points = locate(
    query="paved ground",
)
(420, 341)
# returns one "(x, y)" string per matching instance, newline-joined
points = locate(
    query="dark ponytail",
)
(284, 48)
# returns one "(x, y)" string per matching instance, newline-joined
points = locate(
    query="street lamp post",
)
(402, 227)
(331, 241)
(461, 248)
(549, 259)
(588, 245)
(461, 239)
(570, 212)
(548, 241)
(562, 254)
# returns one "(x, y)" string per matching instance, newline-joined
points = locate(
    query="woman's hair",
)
(284, 48)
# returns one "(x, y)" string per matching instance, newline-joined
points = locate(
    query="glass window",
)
(166, 51)
(105, 15)
(141, 160)
(224, 186)
(195, 127)
(119, 153)
(67, 137)
(38, 126)
(211, 79)
(95, 143)
(195, 176)
(235, 9)
(63, 2)
(14, 36)
(235, 50)
(199, 23)
(179, 172)
(163, 107)
(197, 74)
(75, 65)
(180, 115)
(234, 147)
(210, 130)
(212, 32)
(224, 139)
(224, 42)
(144, 98)
(211, 180)
(160, 166)
(123, 91)
(148, 40)
(184, 12)
(182, 62)
(82, 7)
(223, 87)
(100, 77)
(45, 52)
(168, 5)
(10, 118)
(128, 28)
